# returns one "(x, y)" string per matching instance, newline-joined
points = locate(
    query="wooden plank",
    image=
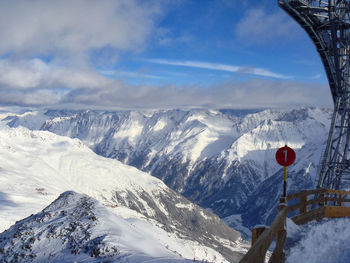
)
(315, 214)
(293, 196)
(323, 202)
(256, 233)
(337, 211)
(278, 254)
(300, 205)
(331, 191)
(257, 252)
(305, 192)
(303, 200)
(336, 199)
(316, 191)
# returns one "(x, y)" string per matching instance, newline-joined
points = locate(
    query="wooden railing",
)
(313, 205)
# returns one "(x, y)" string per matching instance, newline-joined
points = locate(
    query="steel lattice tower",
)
(328, 25)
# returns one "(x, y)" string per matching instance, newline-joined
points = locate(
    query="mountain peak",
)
(65, 229)
(76, 227)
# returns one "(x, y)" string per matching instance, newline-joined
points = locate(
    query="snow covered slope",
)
(326, 241)
(76, 228)
(222, 160)
(36, 166)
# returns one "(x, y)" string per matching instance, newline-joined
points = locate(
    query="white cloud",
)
(222, 67)
(259, 27)
(31, 98)
(316, 76)
(39, 84)
(22, 74)
(74, 27)
(166, 37)
(35, 73)
(129, 74)
(256, 93)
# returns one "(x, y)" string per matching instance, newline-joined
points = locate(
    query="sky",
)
(151, 54)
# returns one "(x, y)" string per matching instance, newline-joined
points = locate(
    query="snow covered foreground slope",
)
(76, 228)
(222, 160)
(36, 166)
(327, 241)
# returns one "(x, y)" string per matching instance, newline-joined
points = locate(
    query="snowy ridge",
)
(221, 160)
(36, 166)
(76, 227)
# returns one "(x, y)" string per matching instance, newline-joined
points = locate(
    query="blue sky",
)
(114, 54)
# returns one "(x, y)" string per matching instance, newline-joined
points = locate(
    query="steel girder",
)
(328, 25)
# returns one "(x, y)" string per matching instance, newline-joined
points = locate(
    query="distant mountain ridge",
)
(222, 160)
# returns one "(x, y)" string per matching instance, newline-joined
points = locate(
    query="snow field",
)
(327, 241)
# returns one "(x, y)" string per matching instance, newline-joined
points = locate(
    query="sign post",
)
(285, 156)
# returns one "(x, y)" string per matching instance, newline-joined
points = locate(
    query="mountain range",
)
(222, 160)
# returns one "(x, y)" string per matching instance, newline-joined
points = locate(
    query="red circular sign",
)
(285, 156)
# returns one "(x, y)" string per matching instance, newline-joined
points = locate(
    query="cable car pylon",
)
(328, 25)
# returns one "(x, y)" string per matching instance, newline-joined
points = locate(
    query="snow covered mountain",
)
(75, 228)
(221, 160)
(37, 166)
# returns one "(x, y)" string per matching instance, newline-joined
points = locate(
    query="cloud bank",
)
(38, 84)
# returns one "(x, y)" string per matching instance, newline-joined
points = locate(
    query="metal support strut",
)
(328, 25)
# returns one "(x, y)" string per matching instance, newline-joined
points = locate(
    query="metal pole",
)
(284, 181)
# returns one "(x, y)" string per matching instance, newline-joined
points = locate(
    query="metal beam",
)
(328, 25)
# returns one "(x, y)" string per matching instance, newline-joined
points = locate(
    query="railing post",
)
(282, 232)
(278, 255)
(283, 203)
(323, 199)
(256, 233)
(340, 199)
(303, 200)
